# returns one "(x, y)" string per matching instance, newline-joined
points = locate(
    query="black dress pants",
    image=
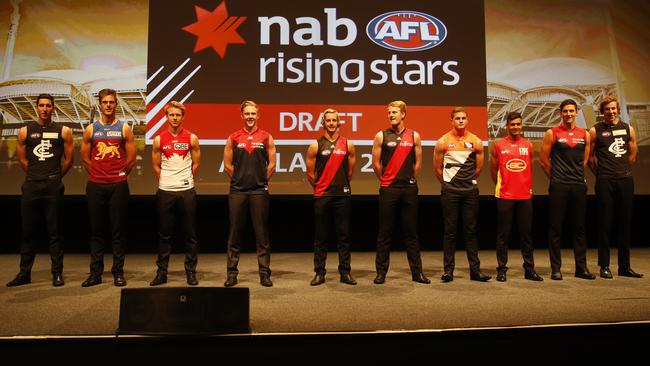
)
(455, 203)
(567, 205)
(521, 212)
(615, 199)
(241, 205)
(176, 207)
(327, 211)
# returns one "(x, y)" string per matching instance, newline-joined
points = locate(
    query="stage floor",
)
(292, 306)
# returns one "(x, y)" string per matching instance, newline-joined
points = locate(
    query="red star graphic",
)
(215, 29)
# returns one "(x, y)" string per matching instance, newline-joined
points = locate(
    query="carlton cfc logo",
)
(516, 165)
(405, 30)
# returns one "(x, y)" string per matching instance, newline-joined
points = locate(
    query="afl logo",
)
(405, 30)
(516, 165)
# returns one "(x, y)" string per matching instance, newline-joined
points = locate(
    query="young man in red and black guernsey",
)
(397, 160)
(176, 157)
(458, 161)
(612, 153)
(108, 153)
(249, 161)
(330, 165)
(45, 151)
(563, 156)
(511, 169)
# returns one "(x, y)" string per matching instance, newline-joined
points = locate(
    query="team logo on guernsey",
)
(42, 150)
(405, 30)
(617, 148)
(516, 165)
(104, 149)
(469, 145)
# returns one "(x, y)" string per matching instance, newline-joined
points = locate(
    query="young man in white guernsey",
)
(176, 157)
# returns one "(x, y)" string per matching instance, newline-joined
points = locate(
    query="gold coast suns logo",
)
(516, 165)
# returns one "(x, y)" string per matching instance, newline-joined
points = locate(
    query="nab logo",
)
(516, 165)
(405, 30)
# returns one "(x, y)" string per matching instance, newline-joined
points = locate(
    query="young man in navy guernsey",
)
(457, 162)
(563, 156)
(397, 160)
(511, 169)
(176, 157)
(330, 165)
(45, 151)
(108, 153)
(249, 161)
(612, 153)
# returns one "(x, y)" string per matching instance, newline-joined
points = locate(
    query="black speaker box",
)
(184, 311)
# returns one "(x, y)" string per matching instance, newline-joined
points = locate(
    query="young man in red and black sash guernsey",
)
(330, 165)
(511, 169)
(249, 161)
(176, 157)
(108, 153)
(563, 156)
(612, 153)
(397, 161)
(45, 151)
(458, 161)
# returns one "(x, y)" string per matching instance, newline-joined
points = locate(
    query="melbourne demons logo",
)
(406, 30)
(516, 165)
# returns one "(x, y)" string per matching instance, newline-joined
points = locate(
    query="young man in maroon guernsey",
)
(176, 157)
(108, 153)
(45, 152)
(397, 161)
(330, 165)
(612, 153)
(457, 162)
(563, 156)
(249, 161)
(511, 169)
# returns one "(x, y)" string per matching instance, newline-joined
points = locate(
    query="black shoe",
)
(586, 275)
(379, 279)
(533, 276)
(21, 279)
(265, 280)
(501, 276)
(419, 277)
(92, 280)
(119, 280)
(556, 276)
(347, 278)
(319, 279)
(57, 280)
(159, 279)
(231, 281)
(447, 277)
(605, 272)
(629, 273)
(479, 276)
(191, 279)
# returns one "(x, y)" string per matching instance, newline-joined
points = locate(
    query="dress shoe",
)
(231, 281)
(265, 280)
(586, 275)
(347, 278)
(119, 280)
(191, 279)
(447, 277)
(419, 277)
(159, 279)
(319, 279)
(533, 276)
(92, 280)
(379, 279)
(57, 280)
(629, 273)
(479, 276)
(21, 279)
(556, 276)
(501, 276)
(605, 272)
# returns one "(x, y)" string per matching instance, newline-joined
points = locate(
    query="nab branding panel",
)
(406, 31)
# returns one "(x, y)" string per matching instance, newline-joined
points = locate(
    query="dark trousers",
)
(328, 210)
(176, 207)
(402, 203)
(465, 204)
(240, 205)
(567, 204)
(521, 212)
(107, 208)
(615, 198)
(41, 199)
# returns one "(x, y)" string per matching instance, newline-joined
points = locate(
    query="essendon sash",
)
(332, 166)
(397, 160)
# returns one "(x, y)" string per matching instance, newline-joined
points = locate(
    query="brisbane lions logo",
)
(103, 150)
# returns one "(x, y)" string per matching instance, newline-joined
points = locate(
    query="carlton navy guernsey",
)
(44, 149)
(613, 150)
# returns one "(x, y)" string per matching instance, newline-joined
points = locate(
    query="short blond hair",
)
(329, 111)
(399, 104)
(248, 103)
(175, 104)
(458, 110)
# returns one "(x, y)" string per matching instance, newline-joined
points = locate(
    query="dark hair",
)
(567, 102)
(104, 92)
(513, 115)
(608, 100)
(45, 96)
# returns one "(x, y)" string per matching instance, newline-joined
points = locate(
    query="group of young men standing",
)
(108, 151)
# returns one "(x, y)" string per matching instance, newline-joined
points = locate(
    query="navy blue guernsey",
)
(44, 150)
